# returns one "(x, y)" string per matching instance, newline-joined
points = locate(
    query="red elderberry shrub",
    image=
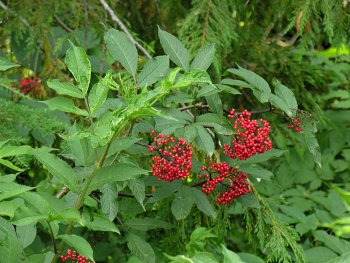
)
(296, 124)
(250, 138)
(29, 86)
(175, 160)
(75, 258)
(233, 181)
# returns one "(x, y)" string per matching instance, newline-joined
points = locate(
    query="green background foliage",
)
(74, 173)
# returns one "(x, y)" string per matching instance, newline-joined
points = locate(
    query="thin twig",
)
(86, 24)
(116, 19)
(52, 237)
(3, 6)
(63, 25)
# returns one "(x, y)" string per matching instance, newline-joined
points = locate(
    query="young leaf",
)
(174, 49)
(122, 50)
(80, 67)
(6, 64)
(109, 203)
(204, 57)
(141, 249)
(79, 243)
(137, 187)
(65, 88)
(154, 70)
(58, 168)
(99, 92)
(262, 89)
(64, 104)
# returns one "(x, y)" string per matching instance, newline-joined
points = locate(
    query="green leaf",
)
(257, 171)
(174, 49)
(179, 259)
(141, 249)
(250, 258)
(80, 67)
(312, 145)
(215, 104)
(7, 208)
(137, 187)
(146, 224)
(99, 92)
(319, 254)
(26, 234)
(79, 146)
(201, 200)
(281, 104)
(116, 173)
(6, 64)
(121, 144)
(41, 258)
(182, 203)
(236, 82)
(204, 257)
(230, 256)
(262, 157)
(338, 245)
(65, 88)
(228, 89)
(286, 95)
(249, 200)
(101, 224)
(204, 57)
(190, 133)
(192, 77)
(204, 140)
(11, 165)
(345, 258)
(64, 104)
(261, 88)
(58, 168)
(154, 70)
(10, 248)
(79, 244)
(9, 189)
(122, 50)
(109, 203)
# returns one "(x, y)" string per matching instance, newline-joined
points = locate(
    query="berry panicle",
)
(174, 160)
(233, 181)
(251, 136)
(74, 257)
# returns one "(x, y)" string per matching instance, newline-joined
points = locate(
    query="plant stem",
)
(52, 237)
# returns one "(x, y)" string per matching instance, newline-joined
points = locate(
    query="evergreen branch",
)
(116, 19)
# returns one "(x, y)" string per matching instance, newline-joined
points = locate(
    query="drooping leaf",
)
(182, 203)
(137, 187)
(204, 57)
(65, 88)
(204, 140)
(122, 49)
(286, 95)
(174, 49)
(154, 70)
(312, 145)
(109, 203)
(80, 67)
(64, 104)
(261, 88)
(141, 249)
(202, 203)
(58, 168)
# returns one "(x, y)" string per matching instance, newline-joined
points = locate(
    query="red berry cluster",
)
(234, 181)
(250, 137)
(29, 85)
(175, 160)
(296, 124)
(76, 258)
